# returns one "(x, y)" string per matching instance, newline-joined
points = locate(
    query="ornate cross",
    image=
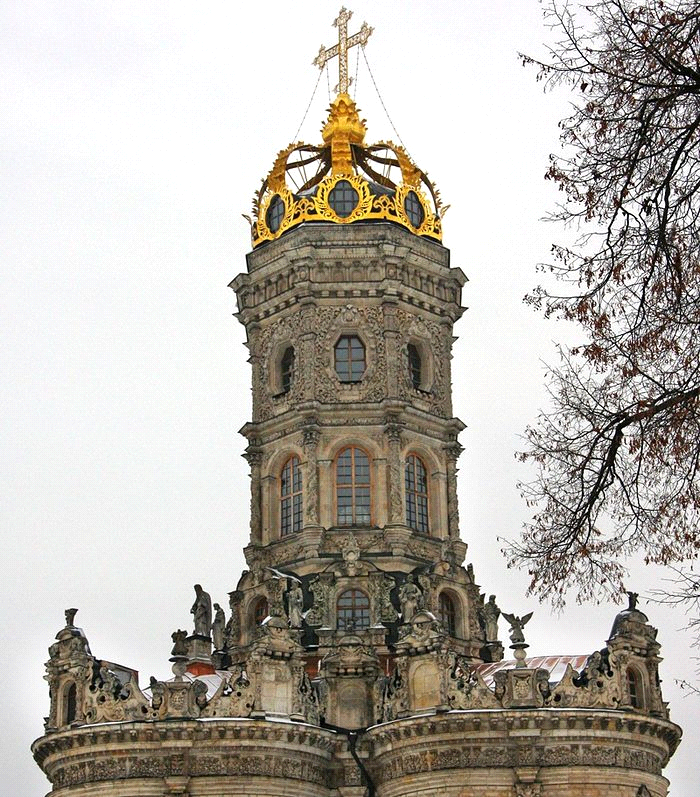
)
(341, 49)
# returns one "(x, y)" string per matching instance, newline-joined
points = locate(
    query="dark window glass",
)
(414, 365)
(447, 614)
(353, 610)
(71, 709)
(291, 500)
(275, 213)
(414, 209)
(343, 198)
(352, 482)
(634, 687)
(416, 494)
(261, 610)
(350, 358)
(287, 369)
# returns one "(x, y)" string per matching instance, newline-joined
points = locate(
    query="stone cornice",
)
(539, 737)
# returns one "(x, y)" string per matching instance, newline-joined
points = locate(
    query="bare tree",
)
(618, 453)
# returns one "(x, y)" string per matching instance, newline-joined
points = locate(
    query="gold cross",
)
(341, 49)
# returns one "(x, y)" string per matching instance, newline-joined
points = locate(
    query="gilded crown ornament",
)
(344, 180)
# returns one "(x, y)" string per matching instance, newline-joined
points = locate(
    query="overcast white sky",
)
(133, 137)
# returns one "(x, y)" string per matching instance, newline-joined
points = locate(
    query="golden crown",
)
(344, 181)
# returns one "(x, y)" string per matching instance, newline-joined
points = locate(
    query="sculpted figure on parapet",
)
(218, 628)
(489, 614)
(201, 609)
(411, 599)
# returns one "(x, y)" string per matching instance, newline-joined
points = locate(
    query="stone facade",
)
(358, 657)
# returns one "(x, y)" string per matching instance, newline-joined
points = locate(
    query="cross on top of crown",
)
(341, 49)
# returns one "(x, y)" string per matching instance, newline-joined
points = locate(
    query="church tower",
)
(357, 656)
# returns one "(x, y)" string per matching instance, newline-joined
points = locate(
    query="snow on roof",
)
(555, 664)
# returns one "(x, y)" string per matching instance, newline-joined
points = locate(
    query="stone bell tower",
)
(349, 302)
(359, 658)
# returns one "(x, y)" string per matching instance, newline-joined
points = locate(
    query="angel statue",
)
(516, 627)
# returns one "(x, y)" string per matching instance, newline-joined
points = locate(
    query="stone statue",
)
(179, 643)
(218, 627)
(70, 617)
(411, 599)
(201, 609)
(632, 598)
(233, 626)
(516, 627)
(490, 614)
(295, 605)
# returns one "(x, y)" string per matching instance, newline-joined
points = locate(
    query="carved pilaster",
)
(311, 436)
(453, 450)
(254, 456)
(394, 360)
(392, 429)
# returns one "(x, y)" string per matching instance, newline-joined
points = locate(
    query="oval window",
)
(414, 209)
(275, 213)
(343, 198)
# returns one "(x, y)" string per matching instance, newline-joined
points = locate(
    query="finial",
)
(632, 598)
(517, 637)
(341, 49)
(70, 617)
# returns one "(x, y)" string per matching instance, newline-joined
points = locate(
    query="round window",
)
(414, 209)
(343, 198)
(275, 213)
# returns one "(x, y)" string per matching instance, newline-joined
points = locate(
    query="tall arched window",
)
(350, 358)
(291, 498)
(70, 704)
(287, 369)
(416, 494)
(260, 610)
(447, 614)
(415, 370)
(352, 484)
(352, 610)
(634, 687)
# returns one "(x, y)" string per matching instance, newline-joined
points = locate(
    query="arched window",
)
(416, 494)
(352, 484)
(415, 370)
(350, 358)
(634, 687)
(260, 610)
(287, 369)
(447, 614)
(353, 610)
(70, 704)
(291, 499)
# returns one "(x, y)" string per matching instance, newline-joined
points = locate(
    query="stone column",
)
(453, 450)
(254, 456)
(310, 482)
(392, 345)
(392, 429)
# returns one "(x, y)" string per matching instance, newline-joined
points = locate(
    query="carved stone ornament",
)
(320, 587)
(467, 688)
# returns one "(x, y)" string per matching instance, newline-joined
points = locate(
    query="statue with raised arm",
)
(201, 609)
(516, 627)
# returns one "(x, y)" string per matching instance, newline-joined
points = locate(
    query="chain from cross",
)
(341, 49)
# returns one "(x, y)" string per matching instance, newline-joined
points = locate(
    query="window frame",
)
(287, 369)
(291, 502)
(346, 375)
(260, 605)
(352, 610)
(361, 513)
(416, 503)
(445, 599)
